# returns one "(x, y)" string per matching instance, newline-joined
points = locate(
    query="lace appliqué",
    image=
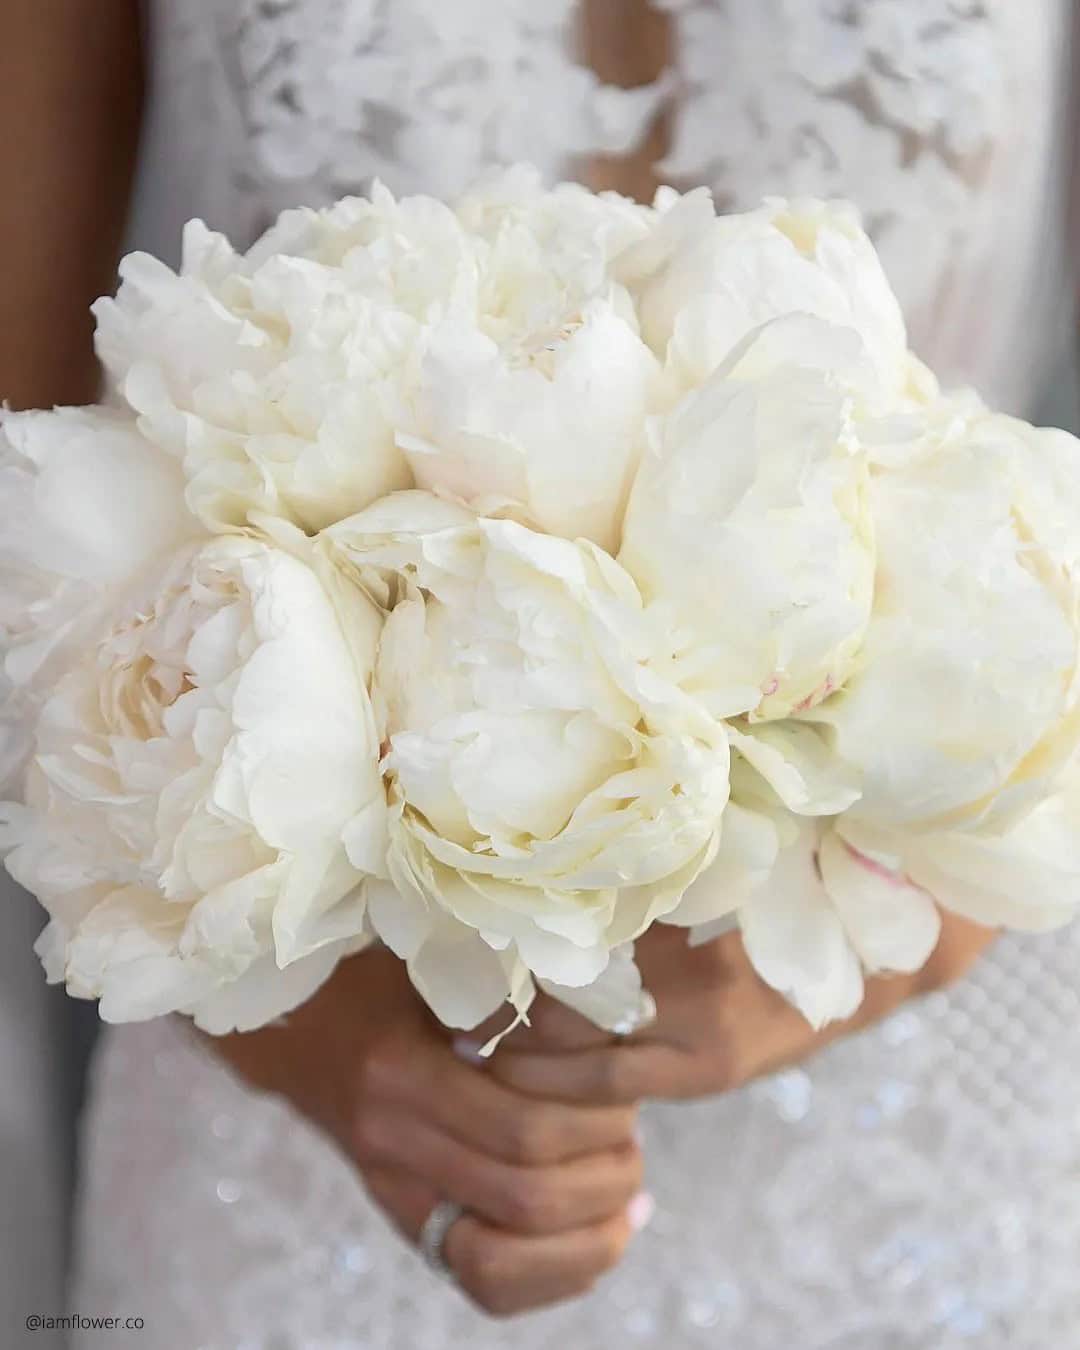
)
(940, 118)
(421, 93)
(932, 115)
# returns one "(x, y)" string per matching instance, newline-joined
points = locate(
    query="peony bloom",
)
(86, 504)
(204, 802)
(954, 737)
(816, 913)
(269, 376)
(568, 222)
(959, 727)
(490, 353)
(965, 704)
(532, 393)
(702, 282)
(1022, 873)
(548, 430)
(551, 792)
(748, 526)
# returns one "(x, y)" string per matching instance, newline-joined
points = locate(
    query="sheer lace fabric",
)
(943, 119)
(915, 1187)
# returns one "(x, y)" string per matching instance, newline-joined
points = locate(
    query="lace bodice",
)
(943, 119)
(915, 1188)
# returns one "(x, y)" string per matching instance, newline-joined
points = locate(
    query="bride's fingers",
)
(507, 1273)
(472, 1105)
(706, 1041)
(405, 1199)
(480, 1110)
(623, 1072)
(523, 1199)
(552, 1026)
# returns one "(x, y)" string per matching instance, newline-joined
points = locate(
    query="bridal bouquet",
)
(496, 581)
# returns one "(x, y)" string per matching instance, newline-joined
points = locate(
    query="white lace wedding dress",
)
(914, 1188)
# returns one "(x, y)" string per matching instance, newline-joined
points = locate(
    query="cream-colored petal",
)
(892, 923)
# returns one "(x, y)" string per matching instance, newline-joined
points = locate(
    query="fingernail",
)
(640, 1210)
(466, 1048)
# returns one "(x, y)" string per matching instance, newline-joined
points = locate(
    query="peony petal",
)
(400, 916)
(1027, 878)
(796, 942)
(747, 853)
(265, 993)
(615, 1000)
(459, 976)
(891, 923)
(797, 763)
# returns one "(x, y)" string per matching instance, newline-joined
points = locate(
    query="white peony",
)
(568, 222)
(269, 375)
(702, 282)
(966, 702)
(492, 353)
(549, 432)
(815, 911)
(201, 779)
(532, 393)
(954, 738)
(86, 503)
(551, 792)
(748, 527)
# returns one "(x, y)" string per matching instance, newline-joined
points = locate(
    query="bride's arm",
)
(70, 106)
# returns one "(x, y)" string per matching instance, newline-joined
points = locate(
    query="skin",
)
(71, 97)
(718, 1026)
(549, 1185)
(552, 1196)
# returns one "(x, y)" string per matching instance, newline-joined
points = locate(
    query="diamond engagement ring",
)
(636, 1019)
(433, 1234)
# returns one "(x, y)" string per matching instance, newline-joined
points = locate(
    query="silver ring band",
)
(433, 1234)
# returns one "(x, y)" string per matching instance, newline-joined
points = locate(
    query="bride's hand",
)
(717, 1026)
(550, 1188)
